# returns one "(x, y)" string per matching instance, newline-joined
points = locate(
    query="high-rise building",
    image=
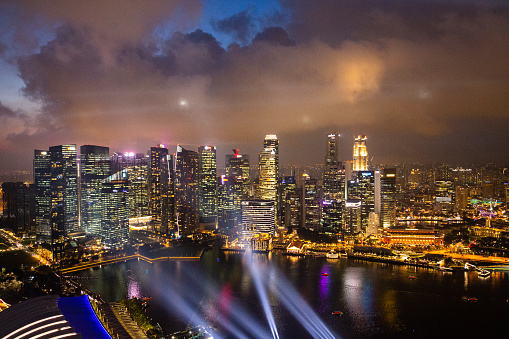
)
(360, 154)
(352, 216)
(258, 216)
(207, 184)
(334, 171)
(42, 191)
(237, 165)
(160, 193)
(186, 190)
(387, 197)
(64, 196)
(268, 165)
(311, 217)
(229, 196)
(114, 213)
(332, 215)
(18, 207)
(363, 188)
(137, 165)
(94, 168)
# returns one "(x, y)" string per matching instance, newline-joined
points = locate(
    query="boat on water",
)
(332, 255)
(337, 313)
(412, 277)
(325, 274)
(472, 299)
(484, 273)
(445, 269)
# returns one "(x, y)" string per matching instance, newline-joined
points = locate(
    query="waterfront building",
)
(94, 168)
(186, 190)
(137, 165)
(387, 197)
(412, 237)
(237, 165)
(332, 215)
(160, 190)
(360, 154)
(351, 221)
(114, 213)
(42, 192)
(311, 204)
(64, 196)
(229, 196)
(207, 185)
(258, 216)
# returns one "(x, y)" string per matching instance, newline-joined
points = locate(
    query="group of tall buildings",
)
(182, 193)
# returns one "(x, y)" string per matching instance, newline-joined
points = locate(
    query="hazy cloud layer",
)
(424, 80)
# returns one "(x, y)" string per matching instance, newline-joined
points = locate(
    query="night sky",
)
(426, 81)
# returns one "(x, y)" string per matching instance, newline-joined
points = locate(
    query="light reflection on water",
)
(376, 300)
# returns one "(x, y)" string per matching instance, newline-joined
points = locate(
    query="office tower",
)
(268, 173)
(352, 216)
(229, 196)
(207, 184)
(387, 197)
(332, 156)
(360, 154)
(363, 188)
(286, 189)
(332, 215)
(237, 165)
(94, 168)
(293, 209)
(334, 171)
(186, 190)
(137, 165)
(311, 204)
(42, 192)
(114, 230)
(160, 192)
(461, 198)
(18, 207)
(64, 196)
(271, 141)
(258, 216)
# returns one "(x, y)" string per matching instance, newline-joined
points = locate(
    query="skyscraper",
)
(229, 196)
(94, 167)
(311, 204)
(360, 154)
(362, 188)
(207, 185)
(237, 165)
(42, 191)
(186, 190)
(160, 195)
(64, 195)
(333, 187)
(267, 182)
(114, 213)
(387, 197)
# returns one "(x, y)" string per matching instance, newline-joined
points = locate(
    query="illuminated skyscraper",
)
(333, 187)
(387, 197)
(207, 185)
(94, 168)
(229, 196)
(160, 195)
(237, 165)
(332, 156)
(362, 188)
(258, 216)
(42, 182)
(186, 190)
(18, 207)
(311, 204)
(64, 195)
(360, 154)
(114, 213)
(268, 165)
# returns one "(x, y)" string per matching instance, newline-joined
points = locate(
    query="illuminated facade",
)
(360, 154)
(258, 216)
(186, 190)
(363, 188)
(160, 193)
(237, 165)
(42, 191)
(332, 215)
(412, 237)
(268, 165)
(115, 213)
(311, 206)
(64, 196)
(387, 197)
(229, 196)
(94, 168)
(334, 171)
(207, 184)
(18, 207)
(352, 217)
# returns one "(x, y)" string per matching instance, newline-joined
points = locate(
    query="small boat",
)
(325, 274)
(484, 273)
(445, 269)
(412, 277)
(337, 313)
(472, 299)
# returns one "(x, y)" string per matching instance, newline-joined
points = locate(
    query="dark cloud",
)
(425, 81)
(6, 112)
(240, 26)
(274, 35)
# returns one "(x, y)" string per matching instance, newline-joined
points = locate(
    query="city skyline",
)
(426, 82)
